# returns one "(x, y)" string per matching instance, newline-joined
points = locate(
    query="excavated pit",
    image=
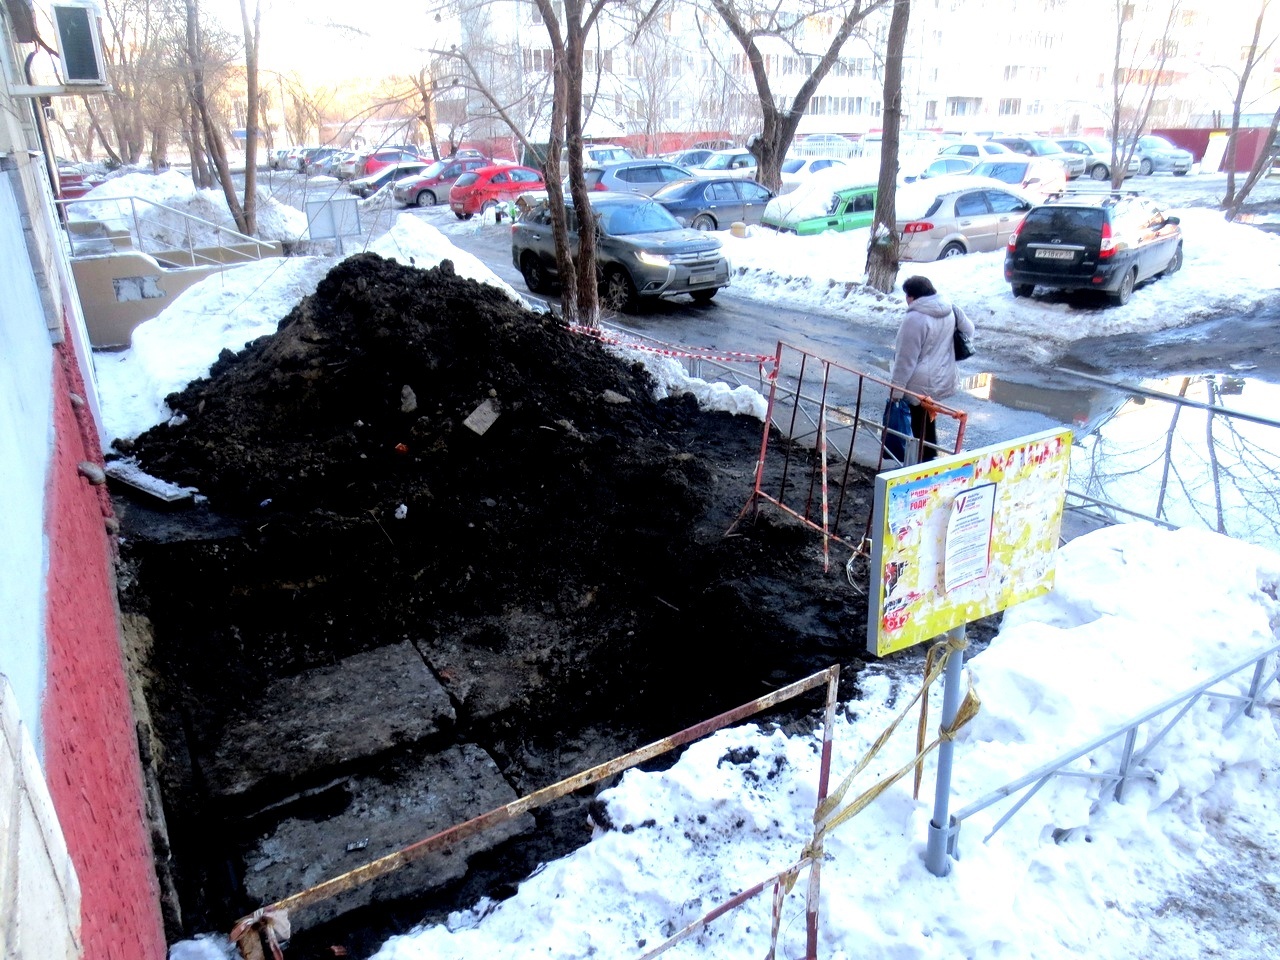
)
(383, 622)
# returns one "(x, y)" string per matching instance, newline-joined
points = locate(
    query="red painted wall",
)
(1250, 142)
(91, 754)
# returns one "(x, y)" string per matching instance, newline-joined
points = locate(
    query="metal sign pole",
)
(940, 841)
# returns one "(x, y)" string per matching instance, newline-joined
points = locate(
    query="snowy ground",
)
(1185, 865)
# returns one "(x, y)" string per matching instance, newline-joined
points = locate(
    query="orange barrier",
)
(830, 412)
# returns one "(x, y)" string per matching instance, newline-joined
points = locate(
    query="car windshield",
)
(1098, 146)
(791, 166)
(1069, 224)
(620, 220)
(1008, 171)
(1156, 143)
(466, 180)
(435, 169)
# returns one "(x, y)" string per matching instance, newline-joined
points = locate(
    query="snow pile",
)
(164, 198)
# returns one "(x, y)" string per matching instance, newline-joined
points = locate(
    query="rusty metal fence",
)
(833, 418)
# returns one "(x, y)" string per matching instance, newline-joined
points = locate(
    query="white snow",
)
(1184, 866)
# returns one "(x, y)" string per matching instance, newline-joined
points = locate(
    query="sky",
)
(1185, 865)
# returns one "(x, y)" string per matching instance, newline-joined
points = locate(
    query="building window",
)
(537, 60)
(1011, 73)
(963, 106)
(931, 109)
(1010, 107)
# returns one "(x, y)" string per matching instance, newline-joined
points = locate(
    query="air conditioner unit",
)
(79, 45)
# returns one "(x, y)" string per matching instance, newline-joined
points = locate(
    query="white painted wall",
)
(39, 891)
(26, 443)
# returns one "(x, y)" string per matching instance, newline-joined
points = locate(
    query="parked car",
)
(433, 184)
(831, 200)
(330, 165)
(313, 160)
(1097, 156)
(944, 167)
(951, 216)
(1036, 175)
(1047, 149)
(352, 163)
(642, 251)
(594, 154)
(734, 162)
(1093, 241)
(276, 158)
(714, 204)
(365, 187)
(975, 150)
(1158, 154)
(795, 170)
(634, 176)
(688, 158)
(380, 158)
(477, 191)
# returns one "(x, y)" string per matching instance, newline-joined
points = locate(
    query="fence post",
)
(941, 832)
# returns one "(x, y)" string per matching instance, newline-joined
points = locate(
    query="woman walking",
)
(924, 360)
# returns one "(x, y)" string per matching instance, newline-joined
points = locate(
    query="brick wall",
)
(90, 747)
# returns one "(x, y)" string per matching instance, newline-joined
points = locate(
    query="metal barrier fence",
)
(155, 228)
(1182, 459)
(833, 416)
(1130, 754)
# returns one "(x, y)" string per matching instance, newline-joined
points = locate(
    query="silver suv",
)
(634, 176)
(641, 251)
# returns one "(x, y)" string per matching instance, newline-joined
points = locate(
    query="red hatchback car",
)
(479, 190)
(379, 159)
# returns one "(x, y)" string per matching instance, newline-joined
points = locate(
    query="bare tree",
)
(656, 74)
(882, 253)
(1253, 55)
(252, 32)
(1265, 159)
(749, 21)
(1138, 72)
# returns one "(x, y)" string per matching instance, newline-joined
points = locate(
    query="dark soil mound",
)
(562, 573)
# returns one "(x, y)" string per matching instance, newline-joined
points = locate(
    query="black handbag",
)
(959, 342)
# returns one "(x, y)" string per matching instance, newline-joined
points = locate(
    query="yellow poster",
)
(962, 537)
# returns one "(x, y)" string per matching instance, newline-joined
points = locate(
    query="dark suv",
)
(1095, 241)
(641, 251)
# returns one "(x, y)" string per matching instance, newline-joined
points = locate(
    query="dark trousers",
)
(923, 426)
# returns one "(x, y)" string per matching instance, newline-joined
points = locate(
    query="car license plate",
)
(1051, 254)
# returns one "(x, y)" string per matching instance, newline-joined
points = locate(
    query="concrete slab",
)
(316, 725)
(384, 814)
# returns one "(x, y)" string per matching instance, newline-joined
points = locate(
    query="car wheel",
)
(704, 296)
(1174, 264)
(952, 249)
(1146, 167)
(534, 277)
(1125, 291)
(462, 216)
(1099, 171)
(1023, 289)
(703, 221)
(619, 291)
(426, 199)
(1179, 173)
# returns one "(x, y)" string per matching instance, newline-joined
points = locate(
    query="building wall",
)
(74, 851)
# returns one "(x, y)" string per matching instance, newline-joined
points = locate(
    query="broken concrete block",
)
(315, 726)
(482, 417)
(383, 815)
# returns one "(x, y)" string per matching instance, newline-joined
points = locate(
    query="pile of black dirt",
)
(414, 456)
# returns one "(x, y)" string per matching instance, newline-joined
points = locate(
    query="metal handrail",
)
(187, 219)
(1183, 702)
